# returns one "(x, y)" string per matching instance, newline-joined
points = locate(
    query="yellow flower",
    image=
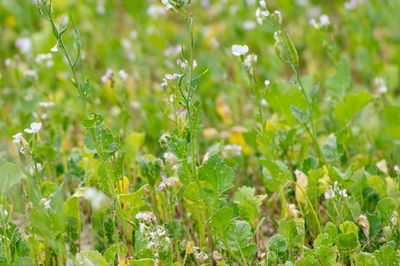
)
(123, 186)
(237, 138)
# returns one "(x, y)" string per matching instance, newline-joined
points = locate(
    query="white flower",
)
(123, 75)
(324, 20)
(261, 15)
(343, 193)
(262, 4)
(380, 83)
(238, 50)
(267, 82)
(249, 25)
(173, 76)
(396, 168)
(167, 4)
(43, 57)
(250, 60)
(46, 203)
(24, 45)
(263, 102)
(329, 194)
(145, 216)
(17, 138)
(231, 150)
(35, 127)
(382, 165)
(54, 49)
(278, 16)
(155, 10)
(96, 197)
(46, 104)
(107, 76)
(350, 5)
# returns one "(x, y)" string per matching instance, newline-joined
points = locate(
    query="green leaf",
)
(324, 249)
(293, 231)
(340, 81)
(329, 149)
(378, 184)
(217, 174)
(281, 98)
(387, 256)
(302, 116)
(178, 147)
(133, 142)
(278, 244)
(71, 209)
(347, 240)
(90, 257)
(308, 260)
(150, 168)
(142, 262)
(221, 219)
(239, 238)
(385, 208)
(249, 204)
(276, 174)
(366, 259)
(346, 109)
(10, 174)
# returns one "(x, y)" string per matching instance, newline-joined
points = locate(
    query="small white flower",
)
(324, 20)
(238, 50)
(249, 25)
(380, 83)
(35, 127)
(96, 197)
(167, 4)
(250, 60)
(350, 5)
(263, 102)
(17, 138)
(54, 49)
(329, 194)
(261, 15)
(382, 165)
(173, 76)
(145, 216)
(46, 203)
(24, 45)
(396, 168)
(343, 193)
(122, 74)
(267, 83)
(231, 150)
(278, 16)
(262, 4)
(46, 104)
(107, 76)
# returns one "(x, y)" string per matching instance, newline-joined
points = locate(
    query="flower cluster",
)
(169, 183)
(335, 190)
(155, 235)
(322, 21)
(261, 12)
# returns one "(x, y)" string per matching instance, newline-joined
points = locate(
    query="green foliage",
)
(276, 174)
(150, 132)
(248, 204)
(217, 175)
(350, 104)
